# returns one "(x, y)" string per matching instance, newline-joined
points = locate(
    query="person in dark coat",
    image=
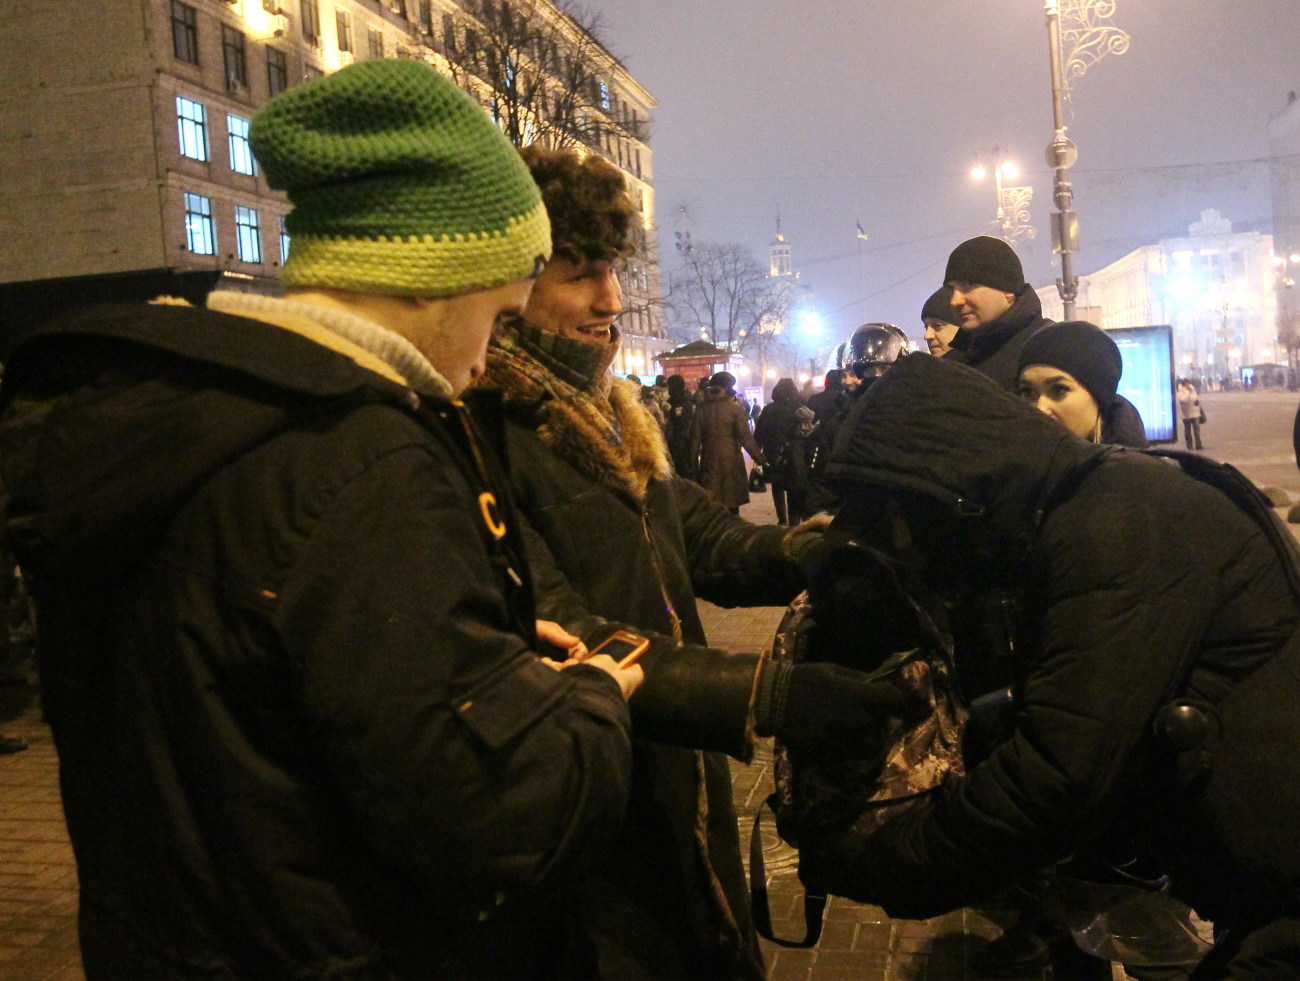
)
(616, 537)
(782, 433)
(288, 647)
(678, 417)
(719, 432)
(998, 310)
(1071, 371)
(1157, 667)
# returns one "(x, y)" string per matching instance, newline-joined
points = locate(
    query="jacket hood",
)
(945, 432)
(112, 417)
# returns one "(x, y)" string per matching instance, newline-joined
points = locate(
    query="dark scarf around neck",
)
(588, 418)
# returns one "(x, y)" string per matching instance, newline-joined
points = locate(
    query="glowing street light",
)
(1013, 202)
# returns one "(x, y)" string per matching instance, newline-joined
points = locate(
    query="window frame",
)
(309, 21)
(234, 58)
(343, 29)
(277, 70)
(238, 147)
(185, 32)
(199, 223)
(192, 132)
(248, 234)
(285, 240)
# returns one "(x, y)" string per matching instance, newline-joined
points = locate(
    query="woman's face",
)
(1056, 392)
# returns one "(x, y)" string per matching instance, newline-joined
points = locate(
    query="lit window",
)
(604, 94)
(284, 241)
(277, 71)
(248, 234)
(192, 121)
(232, 53)
(185, 32)
(343, 26)
(200, 235)
(310, 21)
(241, 151)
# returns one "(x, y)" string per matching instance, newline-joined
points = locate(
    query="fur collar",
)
(600, 429)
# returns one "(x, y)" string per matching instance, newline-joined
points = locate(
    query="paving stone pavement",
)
(38, 878)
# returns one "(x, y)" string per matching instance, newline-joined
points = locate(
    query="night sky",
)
(836, 112)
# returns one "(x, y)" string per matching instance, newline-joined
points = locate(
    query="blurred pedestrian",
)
(1189, 409)
(719, 432)
(677, 426)
(782, 432)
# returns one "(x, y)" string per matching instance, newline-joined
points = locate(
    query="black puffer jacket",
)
(1135, 583)
(672, 901)
(288, 671)
(994, 349)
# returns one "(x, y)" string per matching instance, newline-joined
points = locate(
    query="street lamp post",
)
(1090, 41)
(1013, 202)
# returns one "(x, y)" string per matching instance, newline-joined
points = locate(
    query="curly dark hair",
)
(592, 216)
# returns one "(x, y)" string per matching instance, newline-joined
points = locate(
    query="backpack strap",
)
(814, 903)
(1249, 498)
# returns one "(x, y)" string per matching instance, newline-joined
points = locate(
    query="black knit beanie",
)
(986, 261)
(1081, 349)
(939, 306)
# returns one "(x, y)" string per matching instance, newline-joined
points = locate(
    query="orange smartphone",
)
(624, 647)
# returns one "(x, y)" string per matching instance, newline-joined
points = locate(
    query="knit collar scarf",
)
(369, 344)
(588, 418)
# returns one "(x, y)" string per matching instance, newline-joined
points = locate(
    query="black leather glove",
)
(809, 706)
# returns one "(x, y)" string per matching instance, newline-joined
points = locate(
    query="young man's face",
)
(453, 331)
(979, 305)
(577, 300)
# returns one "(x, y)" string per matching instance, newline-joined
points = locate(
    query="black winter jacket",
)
(672, 900)
(994, 349)
(287, 664)
(1135, 583)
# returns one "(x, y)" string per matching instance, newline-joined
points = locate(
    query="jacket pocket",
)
(503, 706)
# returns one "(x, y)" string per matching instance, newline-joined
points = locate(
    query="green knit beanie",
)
(400, 184)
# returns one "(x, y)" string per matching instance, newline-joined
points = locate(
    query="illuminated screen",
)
(1148, 379)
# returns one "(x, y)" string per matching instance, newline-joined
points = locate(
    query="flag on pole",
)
(861, 234)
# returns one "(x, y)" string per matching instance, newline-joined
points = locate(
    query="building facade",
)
(1284, 160)
(124, 130)
(1216, 287)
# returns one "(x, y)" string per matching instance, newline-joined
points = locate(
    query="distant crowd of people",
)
(368, 614)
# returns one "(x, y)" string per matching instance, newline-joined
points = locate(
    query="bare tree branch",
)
(719, 291)
(541, 70)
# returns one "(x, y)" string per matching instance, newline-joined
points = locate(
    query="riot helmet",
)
(872, 349)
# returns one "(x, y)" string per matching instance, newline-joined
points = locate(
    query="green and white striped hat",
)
(400, 184)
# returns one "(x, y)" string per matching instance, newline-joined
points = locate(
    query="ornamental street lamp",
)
(1078, 23)
(1013, 202)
